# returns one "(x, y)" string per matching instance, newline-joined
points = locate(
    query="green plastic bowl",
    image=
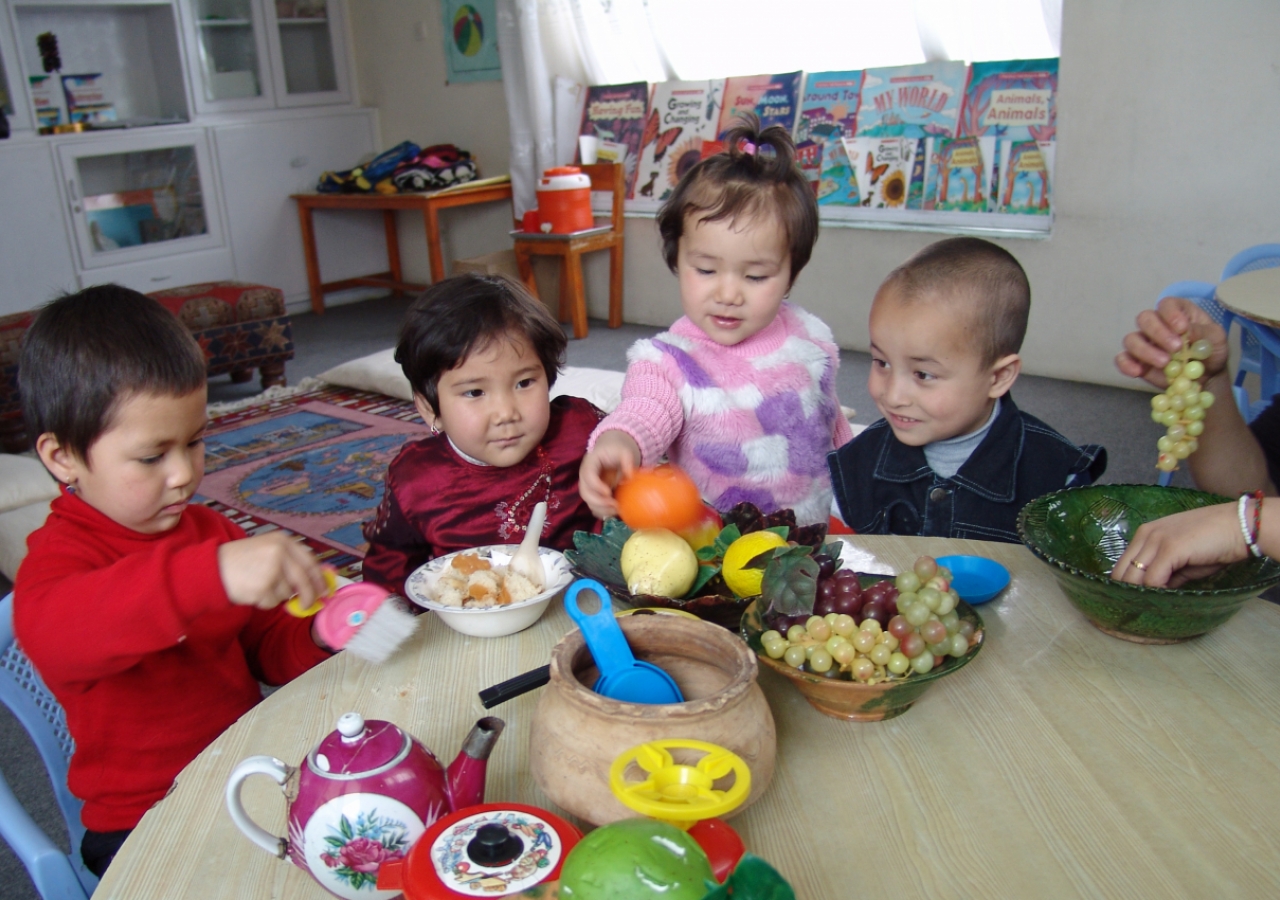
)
(1082, 532)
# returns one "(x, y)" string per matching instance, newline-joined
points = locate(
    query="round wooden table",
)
(1060, 763)
(1254, 295)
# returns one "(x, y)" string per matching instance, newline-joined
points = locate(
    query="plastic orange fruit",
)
(661, 497)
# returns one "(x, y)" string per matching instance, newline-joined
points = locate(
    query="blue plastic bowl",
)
(975, 578)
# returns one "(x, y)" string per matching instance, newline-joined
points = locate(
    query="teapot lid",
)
(359, 748)
(500, 848)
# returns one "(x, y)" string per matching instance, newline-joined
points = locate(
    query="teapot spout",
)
(466, 773)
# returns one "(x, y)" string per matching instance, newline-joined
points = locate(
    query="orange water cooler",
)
(564, 200)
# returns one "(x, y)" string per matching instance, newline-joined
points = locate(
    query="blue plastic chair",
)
(1261, 256)
(56, 874)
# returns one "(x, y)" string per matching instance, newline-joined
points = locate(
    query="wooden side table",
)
(429, 204)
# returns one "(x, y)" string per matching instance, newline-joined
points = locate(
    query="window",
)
(716, 38)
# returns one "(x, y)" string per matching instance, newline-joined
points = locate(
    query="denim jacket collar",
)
(991, 471)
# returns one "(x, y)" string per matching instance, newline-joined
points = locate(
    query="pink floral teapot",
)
(362, 797)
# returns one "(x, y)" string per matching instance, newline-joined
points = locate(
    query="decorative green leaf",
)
(790, 583)
(833, 550)
(711, 557)
(600, 555)
(706, 571)
(727, 536)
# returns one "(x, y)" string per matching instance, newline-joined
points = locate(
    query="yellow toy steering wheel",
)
(680, 794)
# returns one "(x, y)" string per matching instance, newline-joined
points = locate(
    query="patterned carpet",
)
(311, 464)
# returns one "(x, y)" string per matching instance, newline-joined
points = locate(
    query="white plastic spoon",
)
(526, 560)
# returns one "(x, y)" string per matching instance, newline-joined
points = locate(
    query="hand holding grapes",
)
(1161, 333)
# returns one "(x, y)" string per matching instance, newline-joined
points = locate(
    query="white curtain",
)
(551, 48)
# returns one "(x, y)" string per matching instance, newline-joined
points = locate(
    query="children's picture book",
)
(919, 163)
(774, 98)
(809, 161)
(87, 99)
(1024, 181)
(47, 98)
(912, 101)
(616, 114)
(828, 113)
(682, 115)
(1012, 99)
(959, 173)
(882, 167)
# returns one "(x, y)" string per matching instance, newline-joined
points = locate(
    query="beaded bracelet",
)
(1250, 537)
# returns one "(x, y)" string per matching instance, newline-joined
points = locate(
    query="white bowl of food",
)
(472, 591)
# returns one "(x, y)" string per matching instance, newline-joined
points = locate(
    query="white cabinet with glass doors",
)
(227, 50)
(141, 195)
(256, 54)
(308, 51)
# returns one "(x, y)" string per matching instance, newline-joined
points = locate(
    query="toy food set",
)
(712, 568)
(863, 647)
(435, 586)
(683, 850)
(363, 796)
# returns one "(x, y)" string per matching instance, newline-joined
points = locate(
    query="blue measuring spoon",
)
(622, 676)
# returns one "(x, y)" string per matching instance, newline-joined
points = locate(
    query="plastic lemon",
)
(746, 582)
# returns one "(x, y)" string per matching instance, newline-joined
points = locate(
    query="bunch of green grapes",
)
(1181, 407)
(923, 631)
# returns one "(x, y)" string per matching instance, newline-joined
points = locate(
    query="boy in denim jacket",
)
(953, 456)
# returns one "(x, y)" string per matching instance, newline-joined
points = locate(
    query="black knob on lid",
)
(493, 846)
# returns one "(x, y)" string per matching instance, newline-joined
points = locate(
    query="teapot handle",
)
(256, 765)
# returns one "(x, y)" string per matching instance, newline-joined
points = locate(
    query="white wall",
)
(1168, 131)
(403, 75)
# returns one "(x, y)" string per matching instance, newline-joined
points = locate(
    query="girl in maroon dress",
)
(481, 355)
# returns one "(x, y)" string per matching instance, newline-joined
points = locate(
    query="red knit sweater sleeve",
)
(84, 611)
(277, 649)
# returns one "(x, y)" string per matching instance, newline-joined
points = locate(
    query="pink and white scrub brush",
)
(358, 617)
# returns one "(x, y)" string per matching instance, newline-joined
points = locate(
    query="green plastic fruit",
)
(636, 859)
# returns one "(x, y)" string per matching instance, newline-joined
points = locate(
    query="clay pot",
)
(577, 733)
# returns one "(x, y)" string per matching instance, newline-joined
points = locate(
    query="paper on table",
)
(860, 560)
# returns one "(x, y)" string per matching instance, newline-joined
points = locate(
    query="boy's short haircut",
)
(88, 352)
(464, 314)
(983, 276)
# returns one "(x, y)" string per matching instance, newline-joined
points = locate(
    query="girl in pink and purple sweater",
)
(740, 393)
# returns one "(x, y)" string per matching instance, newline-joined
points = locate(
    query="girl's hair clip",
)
(747, 147)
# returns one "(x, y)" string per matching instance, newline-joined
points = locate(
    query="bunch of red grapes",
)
(840, 592)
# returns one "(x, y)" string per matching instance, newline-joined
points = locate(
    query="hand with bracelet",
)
(1187, 546)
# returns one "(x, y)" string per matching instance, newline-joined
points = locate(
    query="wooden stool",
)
(573, 298)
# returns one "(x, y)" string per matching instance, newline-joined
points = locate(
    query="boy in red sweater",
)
(152, 620)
